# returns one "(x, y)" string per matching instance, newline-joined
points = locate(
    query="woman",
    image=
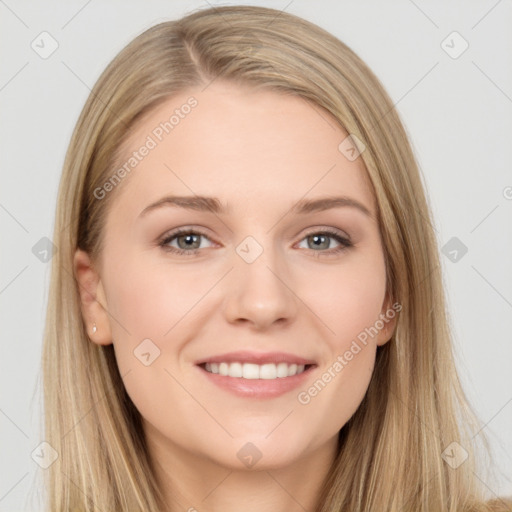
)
(246, 309)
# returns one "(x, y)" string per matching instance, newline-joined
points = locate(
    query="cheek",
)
(347, 298)
(151, 311)
(148, 307)
(146, 300)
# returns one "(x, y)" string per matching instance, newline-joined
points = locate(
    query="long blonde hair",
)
(390, 451)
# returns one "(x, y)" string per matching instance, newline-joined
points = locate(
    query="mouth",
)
(256, 375)
(252, 371)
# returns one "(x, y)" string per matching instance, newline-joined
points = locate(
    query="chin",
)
(258, 453)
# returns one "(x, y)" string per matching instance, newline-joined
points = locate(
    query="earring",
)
(94, 328)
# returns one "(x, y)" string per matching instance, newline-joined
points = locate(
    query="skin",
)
(258, 152)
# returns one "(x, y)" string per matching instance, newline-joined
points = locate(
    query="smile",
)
(268, 371)
(256, 375)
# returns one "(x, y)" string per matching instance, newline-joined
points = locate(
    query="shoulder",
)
(503, 504)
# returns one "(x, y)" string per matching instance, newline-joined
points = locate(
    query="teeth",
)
(282, 370)
(267, 371)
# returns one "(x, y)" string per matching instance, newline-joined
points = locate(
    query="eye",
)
(321, 240)
(188, 241)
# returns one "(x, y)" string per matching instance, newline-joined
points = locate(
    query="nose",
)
(260, 293)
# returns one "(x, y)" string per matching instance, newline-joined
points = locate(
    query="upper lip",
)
(242, 356)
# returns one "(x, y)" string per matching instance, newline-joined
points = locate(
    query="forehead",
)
(245, 146)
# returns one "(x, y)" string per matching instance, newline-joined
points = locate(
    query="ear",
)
(92, 299)
(388, 317)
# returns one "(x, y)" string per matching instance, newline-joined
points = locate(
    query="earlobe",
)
(388, 318)
(92, 299)
(386, 332)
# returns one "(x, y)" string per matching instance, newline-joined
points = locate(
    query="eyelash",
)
(345, 242)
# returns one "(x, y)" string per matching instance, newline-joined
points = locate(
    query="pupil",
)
(318, 240)
(189, 238)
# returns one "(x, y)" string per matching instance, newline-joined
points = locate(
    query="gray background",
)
(457, 112)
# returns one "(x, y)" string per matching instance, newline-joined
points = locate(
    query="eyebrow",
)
(212, 204)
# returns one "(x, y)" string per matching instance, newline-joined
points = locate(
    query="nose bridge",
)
(259, 292)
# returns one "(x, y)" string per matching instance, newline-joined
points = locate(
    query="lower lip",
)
(257, 388)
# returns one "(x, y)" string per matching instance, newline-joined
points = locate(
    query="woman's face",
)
(255, 343)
